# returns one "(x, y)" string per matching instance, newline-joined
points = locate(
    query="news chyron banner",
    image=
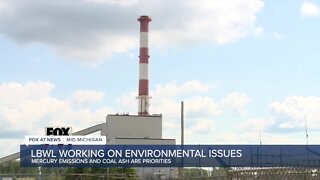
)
(60, 149)
(170, 156)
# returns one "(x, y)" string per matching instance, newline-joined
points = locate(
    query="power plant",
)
(125, 129)
(145, 128)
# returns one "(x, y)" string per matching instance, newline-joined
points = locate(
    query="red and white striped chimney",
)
(143, 109)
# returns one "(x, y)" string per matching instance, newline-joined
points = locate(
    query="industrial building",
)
(142, 128)
(130, 129)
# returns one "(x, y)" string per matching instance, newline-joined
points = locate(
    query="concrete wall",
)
(123, 126)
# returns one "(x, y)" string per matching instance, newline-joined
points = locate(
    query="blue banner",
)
(170, 156)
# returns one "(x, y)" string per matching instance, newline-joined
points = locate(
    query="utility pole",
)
(182, 137)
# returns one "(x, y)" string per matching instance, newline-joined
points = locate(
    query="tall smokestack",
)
(143, 96)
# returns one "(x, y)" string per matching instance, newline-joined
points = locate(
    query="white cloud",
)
(201, 127)
(256, 124)
(256, 130)
(92, 30)
(166, 99)
(235, 138)
(201, 109)
(261, 32)
(258, 31)
(14, 93)
(290, 113)
(242, 137)
(309, 9)
(4, 7)
(127, 102)
(213, 21)
(235, 102)
(87, 96)
(171, 89)
(118, 2)
(201, 106)
(286, 123)
(27, 108)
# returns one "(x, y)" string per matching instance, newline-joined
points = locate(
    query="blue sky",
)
(240, 66)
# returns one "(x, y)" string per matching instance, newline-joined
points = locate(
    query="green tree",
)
(196, 172)
(13, 167)
(70, 173)
(93, 173)
(219, 172)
